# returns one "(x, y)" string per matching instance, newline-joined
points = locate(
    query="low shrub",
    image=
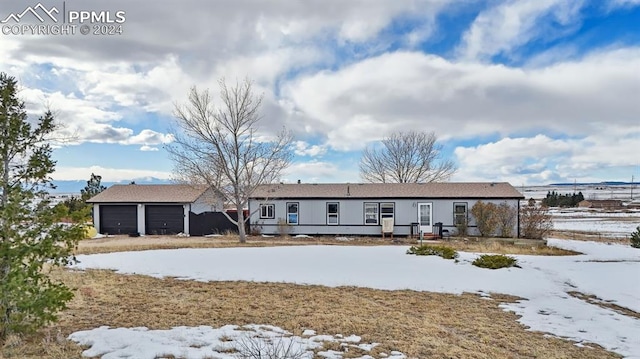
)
(495, 261)
(284, 228)
(427, 250)
(635, 238)
(280, 348)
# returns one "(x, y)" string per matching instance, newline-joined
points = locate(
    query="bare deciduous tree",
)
(406, 157)
(219, 145)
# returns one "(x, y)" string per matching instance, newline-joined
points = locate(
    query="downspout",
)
(518, 218)
(186, 222)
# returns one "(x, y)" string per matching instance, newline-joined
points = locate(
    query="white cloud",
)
(407, 90)
(108, 174)
(319, 171)
(512, 159)
(541, 159)
(326, 73)
(514, 23)
(150, 137)
(623, 3)
(303, 148)
(88, 120)
(146, 148)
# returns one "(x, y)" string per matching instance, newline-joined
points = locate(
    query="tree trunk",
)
(241, 231)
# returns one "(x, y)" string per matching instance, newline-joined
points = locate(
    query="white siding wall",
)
(96, 216)
(312, 215)
(141, 219)
(185, 211)
(207, 202)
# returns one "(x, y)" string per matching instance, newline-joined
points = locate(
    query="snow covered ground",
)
(208, 342)
(607, 224)
(609, 272)
(606, 228)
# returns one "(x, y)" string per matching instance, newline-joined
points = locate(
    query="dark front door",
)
(118, 219)
(164, 219)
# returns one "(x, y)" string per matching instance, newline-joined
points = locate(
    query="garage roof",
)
(390, 190)
(149, 193)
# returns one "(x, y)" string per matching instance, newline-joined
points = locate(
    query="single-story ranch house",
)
(364, 209)
(158, 209)
(315, 209)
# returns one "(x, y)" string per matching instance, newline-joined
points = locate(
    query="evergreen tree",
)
(31, 240)
(635, 238)
(553, 199)
(92, 188)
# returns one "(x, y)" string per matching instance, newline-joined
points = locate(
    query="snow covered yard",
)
(606, 224)
(547, 284)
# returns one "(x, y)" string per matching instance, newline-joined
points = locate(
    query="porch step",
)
(430, 236)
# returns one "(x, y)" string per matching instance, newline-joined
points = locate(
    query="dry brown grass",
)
(472, 244)
(420, 324)
(500, 247)
(592, 299)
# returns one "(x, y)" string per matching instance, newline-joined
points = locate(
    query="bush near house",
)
(495, 261)
(427, 250)
(284, 228)
(506, 217)
(486, 219)
(462, 228)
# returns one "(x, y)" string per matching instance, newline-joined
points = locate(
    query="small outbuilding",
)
(601, 203)
(158, 209)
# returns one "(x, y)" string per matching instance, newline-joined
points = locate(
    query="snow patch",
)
(227, 342)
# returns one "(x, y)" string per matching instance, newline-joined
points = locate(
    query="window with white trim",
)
(267, 211)
(333, 213)
(459, 214)
(386, 210)
(292, 213)
(371, 214)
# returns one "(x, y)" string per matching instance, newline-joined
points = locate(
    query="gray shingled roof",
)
(154, 193)
(390, 190)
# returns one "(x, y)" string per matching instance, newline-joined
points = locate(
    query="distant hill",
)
(76, 186)
(606, 183)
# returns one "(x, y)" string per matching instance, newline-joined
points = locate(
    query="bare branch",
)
(218, 145)
(406, 157)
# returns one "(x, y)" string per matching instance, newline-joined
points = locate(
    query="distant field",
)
(593, 191)
(579, 223)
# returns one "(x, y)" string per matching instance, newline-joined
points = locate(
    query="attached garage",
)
(118, 219)
(164, 219)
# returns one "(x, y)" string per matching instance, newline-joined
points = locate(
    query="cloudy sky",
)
(530, 92)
